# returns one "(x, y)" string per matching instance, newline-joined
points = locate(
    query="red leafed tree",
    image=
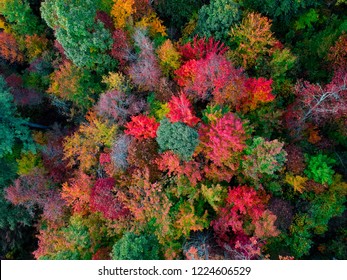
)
(145, 71)
(181, 110)
(242, 93)
(234, 92)
(104, 200)
(105, 19)
(201, 48)
(203, 78)
(142, 127)
(244, 218)
(77, 192)
(9, 48)
(104, 253)
(258, 91)
(120, 48)
(221, 143)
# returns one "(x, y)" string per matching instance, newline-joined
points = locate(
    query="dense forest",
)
(173, 129)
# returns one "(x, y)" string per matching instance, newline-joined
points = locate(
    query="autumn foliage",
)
(9, 48)
(173, 129)
(142, 127)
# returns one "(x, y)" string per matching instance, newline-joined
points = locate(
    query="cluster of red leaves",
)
(9, 48)
(102, 199)
(120, 47)
(142, 127)
(201, 48)
(222, 142)
(105, 19)
(104, 158)
(243, 93)
(259, 91)
(214, 76)
(103, 253)
(181, 110)
(244, 217)
(204, 77)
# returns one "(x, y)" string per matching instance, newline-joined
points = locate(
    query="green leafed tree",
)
(85, 40)
(20, 16)
(136, 247)
(12, 127)
(178, 137)
(216, 19)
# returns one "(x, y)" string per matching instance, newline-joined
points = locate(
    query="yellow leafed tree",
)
(121, 12)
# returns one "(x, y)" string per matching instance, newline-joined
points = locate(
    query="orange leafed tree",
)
(9, 48)
(76, 192)
(83, 147)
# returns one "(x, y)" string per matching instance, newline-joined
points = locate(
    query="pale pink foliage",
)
(119, 106)
(145, 71)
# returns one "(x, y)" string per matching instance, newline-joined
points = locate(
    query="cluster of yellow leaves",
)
(189, 28)
(153, 24)
(122, 11)
(161, 111)
(28, 162)
(253, 38)
(214, 195)
(84, 145)
(115, 81)
(187, 220)
(4, 26)
(297, 182)
(169, 57)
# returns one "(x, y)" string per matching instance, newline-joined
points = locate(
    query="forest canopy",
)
(170, 129)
